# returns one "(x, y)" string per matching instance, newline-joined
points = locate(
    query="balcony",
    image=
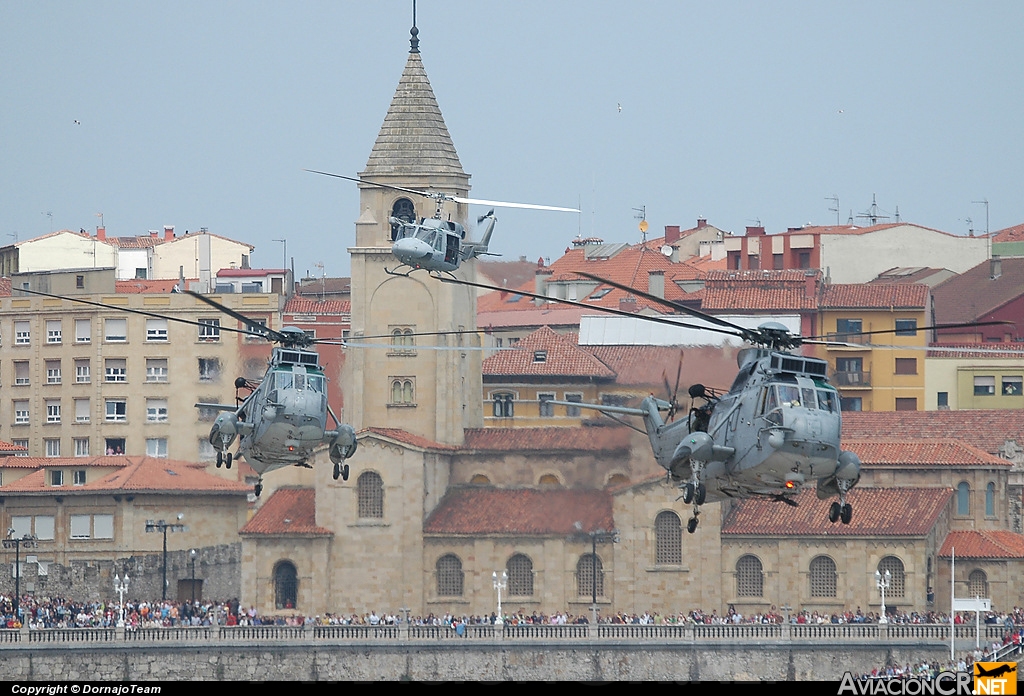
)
(861, 338)
(852, 380)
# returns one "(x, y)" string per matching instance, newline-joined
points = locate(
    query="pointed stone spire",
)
(414, 139)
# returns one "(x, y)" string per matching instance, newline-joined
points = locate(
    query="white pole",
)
(952, 603)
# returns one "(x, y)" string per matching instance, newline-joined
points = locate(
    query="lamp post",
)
(500, 583)
(164, 527)
(29, 542)
(192, 557)
(883, 582)
(121, 587)
(596, 536)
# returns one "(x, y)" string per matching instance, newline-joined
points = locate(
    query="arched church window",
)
(504, 404)
(823, 577)
(749, 577)
(404, 210)
(402, 391)
(897, 582)
(990, 500)
(520, 575)
(589, 576)
(668, 539)
(963, 498)
(370, 495)
(977, 584)
(449, 576)
(286, 585)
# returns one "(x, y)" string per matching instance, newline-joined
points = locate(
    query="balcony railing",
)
(851, 379)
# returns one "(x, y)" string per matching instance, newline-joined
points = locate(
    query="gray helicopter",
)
(774, 432)
(435, 244)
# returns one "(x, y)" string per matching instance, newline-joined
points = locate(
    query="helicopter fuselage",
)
(431, 244)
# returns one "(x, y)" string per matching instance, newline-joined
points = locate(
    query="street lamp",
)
(883, 582)
(596, 536)
(163, 528)
(121, 587)
(500, 583)
(29, 542)
(192, 557)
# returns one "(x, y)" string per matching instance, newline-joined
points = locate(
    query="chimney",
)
(540, 283)
(153, 234)
(671, 233)
(811, 284)
(656, 283)
(101, 233)
(755, 231)
(628, 304)
(168, 232)
(995, 267)
(701, 223)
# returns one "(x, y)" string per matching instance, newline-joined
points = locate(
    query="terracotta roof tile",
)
(976, 350)
(876, 511)
(5, 287)
(289, 512)
(974, 293)
(561, 357)
(933, 452)
(983, 544)
(308, 305)
(134, 474)
(406, 438)
(146, 241)
(6, 447)
(81, 462)
(477, 511)
(578, 439)
(987, 430)
(759, 291)
(1009, 234)
(882, 296)
(139, 286)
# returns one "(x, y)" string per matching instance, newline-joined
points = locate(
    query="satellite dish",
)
(643, 225)
(667, 250)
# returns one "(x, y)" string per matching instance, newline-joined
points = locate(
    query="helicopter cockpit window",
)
(283, 380)
(789, 395)
(827, 401)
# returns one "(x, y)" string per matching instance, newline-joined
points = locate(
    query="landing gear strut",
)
(341, 471)
(223, 458)
(841, 510)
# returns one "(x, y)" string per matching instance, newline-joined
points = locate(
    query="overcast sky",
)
(204, 114)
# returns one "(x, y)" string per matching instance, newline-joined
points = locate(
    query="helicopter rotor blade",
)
(426, 194)
(254, 327)
(505, 204)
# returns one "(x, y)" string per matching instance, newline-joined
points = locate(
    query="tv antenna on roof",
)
(872, 213)
(835, 201)
(641, 215)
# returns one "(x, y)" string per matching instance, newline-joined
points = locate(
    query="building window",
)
(286, 586)
(115, 330)
(906, 366)
(668, 539)
(402, 391)
(573, 411)
(370, 495)
(156, 369)
(906, 327)
(82, 372)
(53, 411)
(79, 477)
(83, 331)
(44, 527)
(209, 330)
(52, 447)
(851, 403)
(942, 399)
(22, 333)
(589, 576)
(82, 411)
(848, 329)
(115, 445)
(547, 409)
(540, 356)
(81, 447)
(209, 369)
(117, 411)
(520, 575)
(156, 410)
(778, 263)
(984, 386)
(156, 329)
(1012, 385)
(990, 500)
(897, 583)
(449, 576)
(823, 577)
(53, 371)
(80, 526)
(906, 403)
(803, 259)
(56, 477)
(977, 584)
(503, 405)
(749, 577)
(21, 415)
(53, 331)
(21, 443)
(21, 373)
(115, 370)
(963, 498)
(156, 447)
(402, 341)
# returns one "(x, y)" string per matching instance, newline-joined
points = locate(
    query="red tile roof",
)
(138, 286)
(974, 293)
(140, 242)
(876, 511)
(562, 358)
(476, 511)
(406, 438)
(581, 439)
(288, 512)
(11, 447)
(983, 544)
(985, 429)
(758, 291)
(976, 350)
(5, 287)
(883, 296)
(529, 315)
(1009, 234)
(142, 474)
(80, 462)
(308, 305)
(642, 366)
(934, 452)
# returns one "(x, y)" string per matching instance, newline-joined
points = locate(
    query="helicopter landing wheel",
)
(688, 493)
(691, 526)
(834, 510)
(257, 489)
(220, 458)
(700, 494)
(227, 460)
(337, 471)
(344, 473)
(846, 514)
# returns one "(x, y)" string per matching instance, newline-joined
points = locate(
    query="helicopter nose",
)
(410, 250)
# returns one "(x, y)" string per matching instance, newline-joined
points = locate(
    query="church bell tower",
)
(430, 386)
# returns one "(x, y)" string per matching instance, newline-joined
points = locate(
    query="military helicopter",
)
(435, 244)
(773, 432)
